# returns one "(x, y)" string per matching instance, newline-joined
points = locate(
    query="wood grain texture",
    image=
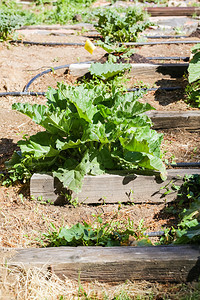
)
(173, 11)
(111, 188)
(173, 119)
(114, 264)
(170, 70)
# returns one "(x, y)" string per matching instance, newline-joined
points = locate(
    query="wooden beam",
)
(189, 120)
(173, 11)
(111, 188)
(172, 70)
(113, 264)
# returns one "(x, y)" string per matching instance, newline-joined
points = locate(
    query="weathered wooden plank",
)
(114, 264)
(173, 11)
(111, 188)
(174, 119)
(171, 70)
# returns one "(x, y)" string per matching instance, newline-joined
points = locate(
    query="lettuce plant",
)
(88, 130)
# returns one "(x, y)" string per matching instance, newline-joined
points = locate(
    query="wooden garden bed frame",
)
(173, 11)
(146, 69)
(109, 264)
(111, 188)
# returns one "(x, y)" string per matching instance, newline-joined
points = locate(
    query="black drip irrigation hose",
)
(148, 36)
(185, 165)
(48, 71)
(184, 58)
(166, 36)
(46, 43)
(83, 44)
(43, 73)
(160, 43)
(26, 93)
(22, 94)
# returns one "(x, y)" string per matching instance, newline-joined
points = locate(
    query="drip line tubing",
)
(166, 36)
(88, 62)
(26, 93)
(160, 43)
(148, 36)
(184, 58)
(83, 44)
(48, 71)
(22, 94)
(46, 43)
(43, 73)
(185, 165)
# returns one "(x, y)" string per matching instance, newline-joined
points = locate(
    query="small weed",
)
(187, 208)
(97, 233)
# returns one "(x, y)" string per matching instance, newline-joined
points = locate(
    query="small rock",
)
(77, 17)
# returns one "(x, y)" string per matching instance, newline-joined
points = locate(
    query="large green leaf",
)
(195, 48)
(144, 140)
(82, 99)
(36, 111)
(194, 68)
(108, 70)
(39, 145)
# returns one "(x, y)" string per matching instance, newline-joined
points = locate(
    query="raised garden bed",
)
(111, 188)
(111, 265)
(170, 263)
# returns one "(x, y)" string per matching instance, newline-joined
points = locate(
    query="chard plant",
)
(115, 27)
(193, 89)
(87, 130)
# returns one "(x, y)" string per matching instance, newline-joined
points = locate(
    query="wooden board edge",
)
(155, 263)
(189, 120)
(148, 69)
(110, 188)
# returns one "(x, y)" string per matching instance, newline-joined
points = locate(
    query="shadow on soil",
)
(167, 97)
(7, 147)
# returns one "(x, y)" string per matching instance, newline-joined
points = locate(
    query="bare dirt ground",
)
(24, 220)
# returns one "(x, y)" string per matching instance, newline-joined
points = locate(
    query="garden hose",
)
(26, 93)
(48, 71)
(160, 43)
(120, 44)
(22, 94)
(184, 58)
(185, 164)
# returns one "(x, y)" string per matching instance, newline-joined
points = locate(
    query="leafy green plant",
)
(193, 89)
(48, 12)
(115, 27)
(188, 227)
(89, 130)
(98, 233)
(8, 23)
(108, 70)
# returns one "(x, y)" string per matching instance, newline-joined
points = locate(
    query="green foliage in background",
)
(116, 27)
(48, 12)
(193, 88)
(188, 212)
(9, 23)
(98, 233)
